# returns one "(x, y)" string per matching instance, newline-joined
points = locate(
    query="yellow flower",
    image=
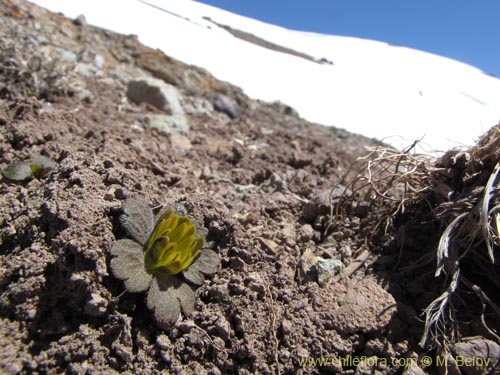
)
(157, 254)
(172, 246)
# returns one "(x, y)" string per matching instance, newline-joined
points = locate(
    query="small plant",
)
(165, 258)
(21, 171)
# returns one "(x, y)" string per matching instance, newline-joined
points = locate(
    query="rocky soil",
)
(123, 120)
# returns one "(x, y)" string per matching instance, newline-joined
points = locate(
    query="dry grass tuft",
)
(460, 191)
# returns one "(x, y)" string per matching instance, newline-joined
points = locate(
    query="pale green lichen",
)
(165, 259)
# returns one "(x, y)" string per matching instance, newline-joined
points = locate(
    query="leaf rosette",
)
(165, 258)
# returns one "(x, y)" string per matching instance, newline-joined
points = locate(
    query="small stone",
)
(317, 206)
(227, 105)
(321, 203)
(476, 355)
(270, 246)
(307, 269)
(306, 233)
(165, 356)
(237, 264)
(12, 368)
(255, 282)
(266, 131)
(169, 124)
(327, 269)
(286, 327)
(345, 252)
(221, 328)
(163, 342)
(180, 143)
(96, 305)
(219, 291)
(123, 352)
(214, 371)
(107, 163)
(357, 306)
(185, 326)
(80, 20)
(109, 195)
(288, 235)
(120, 194)
(372, 366)
(157, 93)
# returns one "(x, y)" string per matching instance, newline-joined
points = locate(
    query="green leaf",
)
(137, 219)
(128, 265)
(18, 171)
(42, 165)
(167, 297)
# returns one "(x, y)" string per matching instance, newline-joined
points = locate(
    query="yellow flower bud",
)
(172, 246)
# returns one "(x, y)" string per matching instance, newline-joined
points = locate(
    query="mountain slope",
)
(367, 87)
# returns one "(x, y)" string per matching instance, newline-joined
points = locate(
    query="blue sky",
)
(464, 30)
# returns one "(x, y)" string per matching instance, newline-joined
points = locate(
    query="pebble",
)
(237, 264)
(321, 202)
(163, 342)
(107, 163)
(225, 104)
(286, 327)
(288, 235)
(221, 328)
(169, 124)
(306, 233)
(476, 355)
(255, 283)
(96, 305)
(180, 143)
(308, 266)
(120, 194)
(270, 246)
(80, 20)
(327, 269)
(109, 195)
(157, 93)
(319, 205)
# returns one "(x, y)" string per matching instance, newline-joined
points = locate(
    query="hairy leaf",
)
(137, 219)
(42, 165)
(128, 265)
(18, 171)
(207, 264)
(166, 297)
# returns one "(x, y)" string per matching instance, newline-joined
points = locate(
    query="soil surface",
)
(254, 173)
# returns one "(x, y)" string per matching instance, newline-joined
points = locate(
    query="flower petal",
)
(128, 265)
(166, 222)
(166, 297)
(137, 219)
(185, 242)
(178, 233)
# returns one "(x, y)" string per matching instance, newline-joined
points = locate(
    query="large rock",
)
(157, 93)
